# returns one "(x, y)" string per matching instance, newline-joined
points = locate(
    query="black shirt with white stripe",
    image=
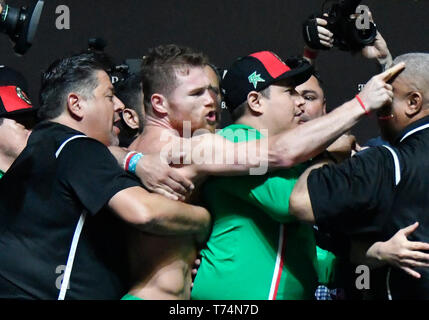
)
(53, 214)
(378, 192)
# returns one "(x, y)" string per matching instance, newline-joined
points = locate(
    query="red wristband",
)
(310, 54)
(363, 106)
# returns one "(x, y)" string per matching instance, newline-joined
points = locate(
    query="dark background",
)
(224, 30)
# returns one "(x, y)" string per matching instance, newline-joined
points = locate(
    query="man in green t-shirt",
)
(16, 113)
(256, 250)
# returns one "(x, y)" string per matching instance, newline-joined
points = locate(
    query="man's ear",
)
(131, 118)
(414, 104)
(75, 105)
(159, 104)
(254, 102)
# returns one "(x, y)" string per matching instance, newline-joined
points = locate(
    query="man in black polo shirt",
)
(382, 189)
(64, 201)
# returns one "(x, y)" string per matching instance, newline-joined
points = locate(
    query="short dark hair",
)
(239, 111)
(130, 92)
(160, 65)
(75, 73)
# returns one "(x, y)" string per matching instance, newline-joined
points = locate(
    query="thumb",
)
(410, 229)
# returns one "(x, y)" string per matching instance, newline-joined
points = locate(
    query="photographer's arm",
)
(378, 50)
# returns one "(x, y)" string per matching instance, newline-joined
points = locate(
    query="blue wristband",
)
(133, 162)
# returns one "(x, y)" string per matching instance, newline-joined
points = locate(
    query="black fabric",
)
(349, 197)
(359, 196)
(41, 201)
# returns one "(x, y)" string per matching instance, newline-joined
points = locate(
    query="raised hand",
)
(378, 92)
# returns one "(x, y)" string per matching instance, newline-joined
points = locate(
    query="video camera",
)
(347, 36)
(21, 24)
(117, 73)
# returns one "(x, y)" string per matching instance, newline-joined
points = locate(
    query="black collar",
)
(420, 124)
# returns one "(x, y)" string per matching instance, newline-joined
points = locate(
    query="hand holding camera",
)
(339, 28)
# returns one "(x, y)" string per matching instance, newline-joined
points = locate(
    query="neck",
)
(254, 122)
(162, 123)
(153, 138)
(67, 121)
(5, 162)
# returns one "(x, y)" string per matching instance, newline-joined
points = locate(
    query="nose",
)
(300, 102)
(210, 99)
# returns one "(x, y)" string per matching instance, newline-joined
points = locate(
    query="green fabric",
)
(130, 297)
(241, 254)
(327, 263)
(1, 174)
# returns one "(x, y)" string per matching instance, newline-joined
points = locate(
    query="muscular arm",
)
(155, 214)
(299, 202)
(293, 146)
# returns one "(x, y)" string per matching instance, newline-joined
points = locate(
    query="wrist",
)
(375, 251)
(310, 53)
(363, 106)
(131, 160)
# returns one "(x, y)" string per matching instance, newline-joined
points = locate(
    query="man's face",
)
(283, 107)
(195, 99)
(391, 118)
(103, 109)
(315, 104)
(13, 138)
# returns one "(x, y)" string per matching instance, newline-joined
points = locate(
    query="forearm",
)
(310, 139)
(385, 62)
(215, 155)
(155, 214)
(176, 218)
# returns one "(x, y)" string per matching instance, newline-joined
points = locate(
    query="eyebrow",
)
(309, 91)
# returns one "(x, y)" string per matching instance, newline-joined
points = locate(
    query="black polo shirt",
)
(378, 192)
(53, 214)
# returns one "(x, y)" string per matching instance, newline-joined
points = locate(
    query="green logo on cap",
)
(255, 78)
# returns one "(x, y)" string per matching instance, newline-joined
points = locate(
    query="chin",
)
(114, 141)
(211, 128)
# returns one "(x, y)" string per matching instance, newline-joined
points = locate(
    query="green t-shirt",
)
(257, 250)
(1, 174)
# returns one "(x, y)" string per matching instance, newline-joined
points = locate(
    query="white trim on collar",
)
(425, 126)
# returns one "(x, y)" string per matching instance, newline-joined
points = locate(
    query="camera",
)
(347, 35)
(117, 72)
(21, 24)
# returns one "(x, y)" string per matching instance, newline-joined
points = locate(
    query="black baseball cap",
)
(258, 71)
(13, 98)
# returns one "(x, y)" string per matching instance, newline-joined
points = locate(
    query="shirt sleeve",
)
(354, 196)
(93, 174)
(270, 192)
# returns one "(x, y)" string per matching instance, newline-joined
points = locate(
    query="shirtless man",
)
(178, 87)
(161, 265)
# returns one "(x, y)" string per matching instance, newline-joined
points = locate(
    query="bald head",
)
(416, 73)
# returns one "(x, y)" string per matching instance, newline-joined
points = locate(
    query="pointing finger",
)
(393, 71)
